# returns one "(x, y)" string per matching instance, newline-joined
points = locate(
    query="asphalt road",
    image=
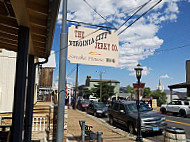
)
(172, 121)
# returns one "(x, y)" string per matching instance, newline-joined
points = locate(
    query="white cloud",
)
(145, 71)
(69, 78)
(166, 76)
(140, 40)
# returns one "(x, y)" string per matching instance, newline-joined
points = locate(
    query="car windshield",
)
(85, 101)
(133, 107)
(99, 105)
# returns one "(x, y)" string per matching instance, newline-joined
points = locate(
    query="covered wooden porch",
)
(26, 27)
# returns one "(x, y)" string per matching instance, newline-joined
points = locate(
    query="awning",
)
(39, 15)
(180, 85)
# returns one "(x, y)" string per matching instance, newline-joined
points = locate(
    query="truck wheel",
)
(163, 110)
(111, 120)
(131, 128)
(183, 113)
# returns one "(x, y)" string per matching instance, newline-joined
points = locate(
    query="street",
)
(172, 121)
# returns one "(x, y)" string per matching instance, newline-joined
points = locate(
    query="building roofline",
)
(104, 80)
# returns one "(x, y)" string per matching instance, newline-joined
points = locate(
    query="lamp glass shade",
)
(138, 73)
(138, 70)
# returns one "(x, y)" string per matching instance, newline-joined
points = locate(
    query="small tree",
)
(147, 92)
(129, 89)
(87, 93)
(160, 96)
(107, 91)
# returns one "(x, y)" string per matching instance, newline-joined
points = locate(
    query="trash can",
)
(173, 134)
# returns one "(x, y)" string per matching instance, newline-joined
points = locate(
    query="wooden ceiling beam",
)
(45, 3)
(38, 15)
(38, 38)
(37, 22)
(37, 52)
(8, 21)
(9, 40)
(38, 30)
(19, 7)
(4, 10)
(8, 36)
(8, 46)
(7, 29)
(41, 9)
(38, 44)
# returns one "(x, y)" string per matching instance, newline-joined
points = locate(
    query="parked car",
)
(83, 104)
(125, 113)
(181, 107)
(97, 108)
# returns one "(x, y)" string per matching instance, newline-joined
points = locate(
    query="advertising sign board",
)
(92, 46)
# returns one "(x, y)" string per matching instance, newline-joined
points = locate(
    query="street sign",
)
(92, 46)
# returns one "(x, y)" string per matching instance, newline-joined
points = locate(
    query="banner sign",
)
(141, 89)
(92, 46)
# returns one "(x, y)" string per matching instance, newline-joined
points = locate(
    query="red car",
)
(83, 104)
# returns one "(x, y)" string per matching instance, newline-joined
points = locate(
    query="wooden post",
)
(20, 83)
(76, 84)
(29, 100)
(171, 92)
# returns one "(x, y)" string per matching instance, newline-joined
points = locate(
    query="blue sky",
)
(148, 41)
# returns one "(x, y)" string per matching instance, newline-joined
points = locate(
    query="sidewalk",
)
(110, 133)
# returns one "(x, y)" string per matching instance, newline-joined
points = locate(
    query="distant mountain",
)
(174, 92)
(168, 91)
(181, 95)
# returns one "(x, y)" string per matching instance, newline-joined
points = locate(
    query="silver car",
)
(181, 107)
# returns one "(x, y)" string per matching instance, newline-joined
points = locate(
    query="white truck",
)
(180, 106)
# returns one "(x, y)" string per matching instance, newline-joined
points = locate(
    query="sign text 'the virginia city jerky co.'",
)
(92, 47)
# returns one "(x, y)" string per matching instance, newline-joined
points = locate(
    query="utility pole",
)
(62, 76)
(100, 73)
(76, 84)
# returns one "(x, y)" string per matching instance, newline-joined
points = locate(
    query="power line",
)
(139, 17)
(157, 51)
(141, 7)
(72, 70)
(161, 50)
(78, 22)
(98, 13)
(124, 12)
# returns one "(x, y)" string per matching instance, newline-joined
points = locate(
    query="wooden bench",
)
(88, 131)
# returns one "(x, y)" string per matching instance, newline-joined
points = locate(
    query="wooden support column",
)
(29, 100)
(20, 83)
(171, 93)
(188, 92)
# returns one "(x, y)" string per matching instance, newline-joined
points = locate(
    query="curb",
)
(114, 129)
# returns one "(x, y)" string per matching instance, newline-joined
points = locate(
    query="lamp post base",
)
(139, 139)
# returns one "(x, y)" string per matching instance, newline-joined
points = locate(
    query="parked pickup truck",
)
(181, 107)
(125, 113)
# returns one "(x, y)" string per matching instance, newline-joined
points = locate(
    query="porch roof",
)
(38, 15)
(180, 85)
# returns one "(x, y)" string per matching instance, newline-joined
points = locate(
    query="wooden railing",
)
(40, 123)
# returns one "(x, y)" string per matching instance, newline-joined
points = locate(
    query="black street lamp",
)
(138, 70)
